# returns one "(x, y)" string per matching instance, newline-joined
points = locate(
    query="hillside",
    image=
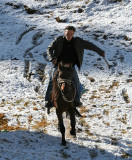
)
(27, 132)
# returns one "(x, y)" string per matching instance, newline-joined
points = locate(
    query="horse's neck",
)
(55, 85)
(55, 82)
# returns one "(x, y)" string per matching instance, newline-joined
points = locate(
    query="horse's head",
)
(65, 70)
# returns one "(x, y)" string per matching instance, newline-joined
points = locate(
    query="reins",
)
(69, 82)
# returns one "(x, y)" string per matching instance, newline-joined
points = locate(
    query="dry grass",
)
(34, 103)
(113, 107)
(86, 2)
(81, 24)
(103, 89)
(123, 131)
(36, 109)
(95, 115)
(30, 118)
(2, 104)
(12, 128)
(4, 125)
(26, 103)
(129, 145)
(3, 120)
(84, 110)
(83, 123)
(106, 112)
(114, 84)
(106, 123)
(88, 132)
(94, 97)
(123, 119)
(19, 101)
(105, 105)
(41, 124)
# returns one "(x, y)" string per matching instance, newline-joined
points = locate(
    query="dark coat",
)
(55, 48)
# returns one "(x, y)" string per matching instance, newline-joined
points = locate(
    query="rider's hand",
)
(54, 61)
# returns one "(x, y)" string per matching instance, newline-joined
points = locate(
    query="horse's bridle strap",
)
(60, 80)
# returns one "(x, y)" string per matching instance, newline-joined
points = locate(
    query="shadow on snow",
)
(39, 146)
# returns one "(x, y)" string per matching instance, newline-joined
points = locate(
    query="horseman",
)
(69, 49)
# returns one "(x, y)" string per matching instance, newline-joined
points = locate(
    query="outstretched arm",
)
(93, 47)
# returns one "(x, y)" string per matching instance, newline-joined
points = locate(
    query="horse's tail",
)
(77, 112)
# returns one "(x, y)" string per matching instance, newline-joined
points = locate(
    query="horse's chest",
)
(64, 106)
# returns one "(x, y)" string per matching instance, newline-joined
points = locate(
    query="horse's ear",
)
(59, 65)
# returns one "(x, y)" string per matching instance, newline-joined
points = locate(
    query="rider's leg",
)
(49, 104)
(76, 82)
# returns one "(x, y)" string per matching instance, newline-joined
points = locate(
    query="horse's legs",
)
(61, 126)
(73, 121)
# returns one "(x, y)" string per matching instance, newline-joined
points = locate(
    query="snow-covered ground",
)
(27, 132)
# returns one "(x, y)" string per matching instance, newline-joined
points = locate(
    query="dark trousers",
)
(75, 80)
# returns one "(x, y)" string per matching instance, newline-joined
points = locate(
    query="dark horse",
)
(63, 94)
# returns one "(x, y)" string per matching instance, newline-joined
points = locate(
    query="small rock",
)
(125, 95)
(129, 80)
(105, 37)
(101, 68)
(29, 10)
(80, 10)
(127, 38)
(60, 20)
(94, 106)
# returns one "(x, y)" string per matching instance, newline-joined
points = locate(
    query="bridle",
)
(69, 82)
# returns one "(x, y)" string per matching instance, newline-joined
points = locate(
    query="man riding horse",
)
(69, 49)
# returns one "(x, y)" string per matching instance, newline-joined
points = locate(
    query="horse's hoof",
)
(73, 133)
(64, 143)
(48, 110)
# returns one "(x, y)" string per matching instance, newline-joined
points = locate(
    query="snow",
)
(27, 131)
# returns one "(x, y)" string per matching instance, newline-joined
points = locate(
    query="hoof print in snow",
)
(12, 5)
(22, 34)
(36, 37)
